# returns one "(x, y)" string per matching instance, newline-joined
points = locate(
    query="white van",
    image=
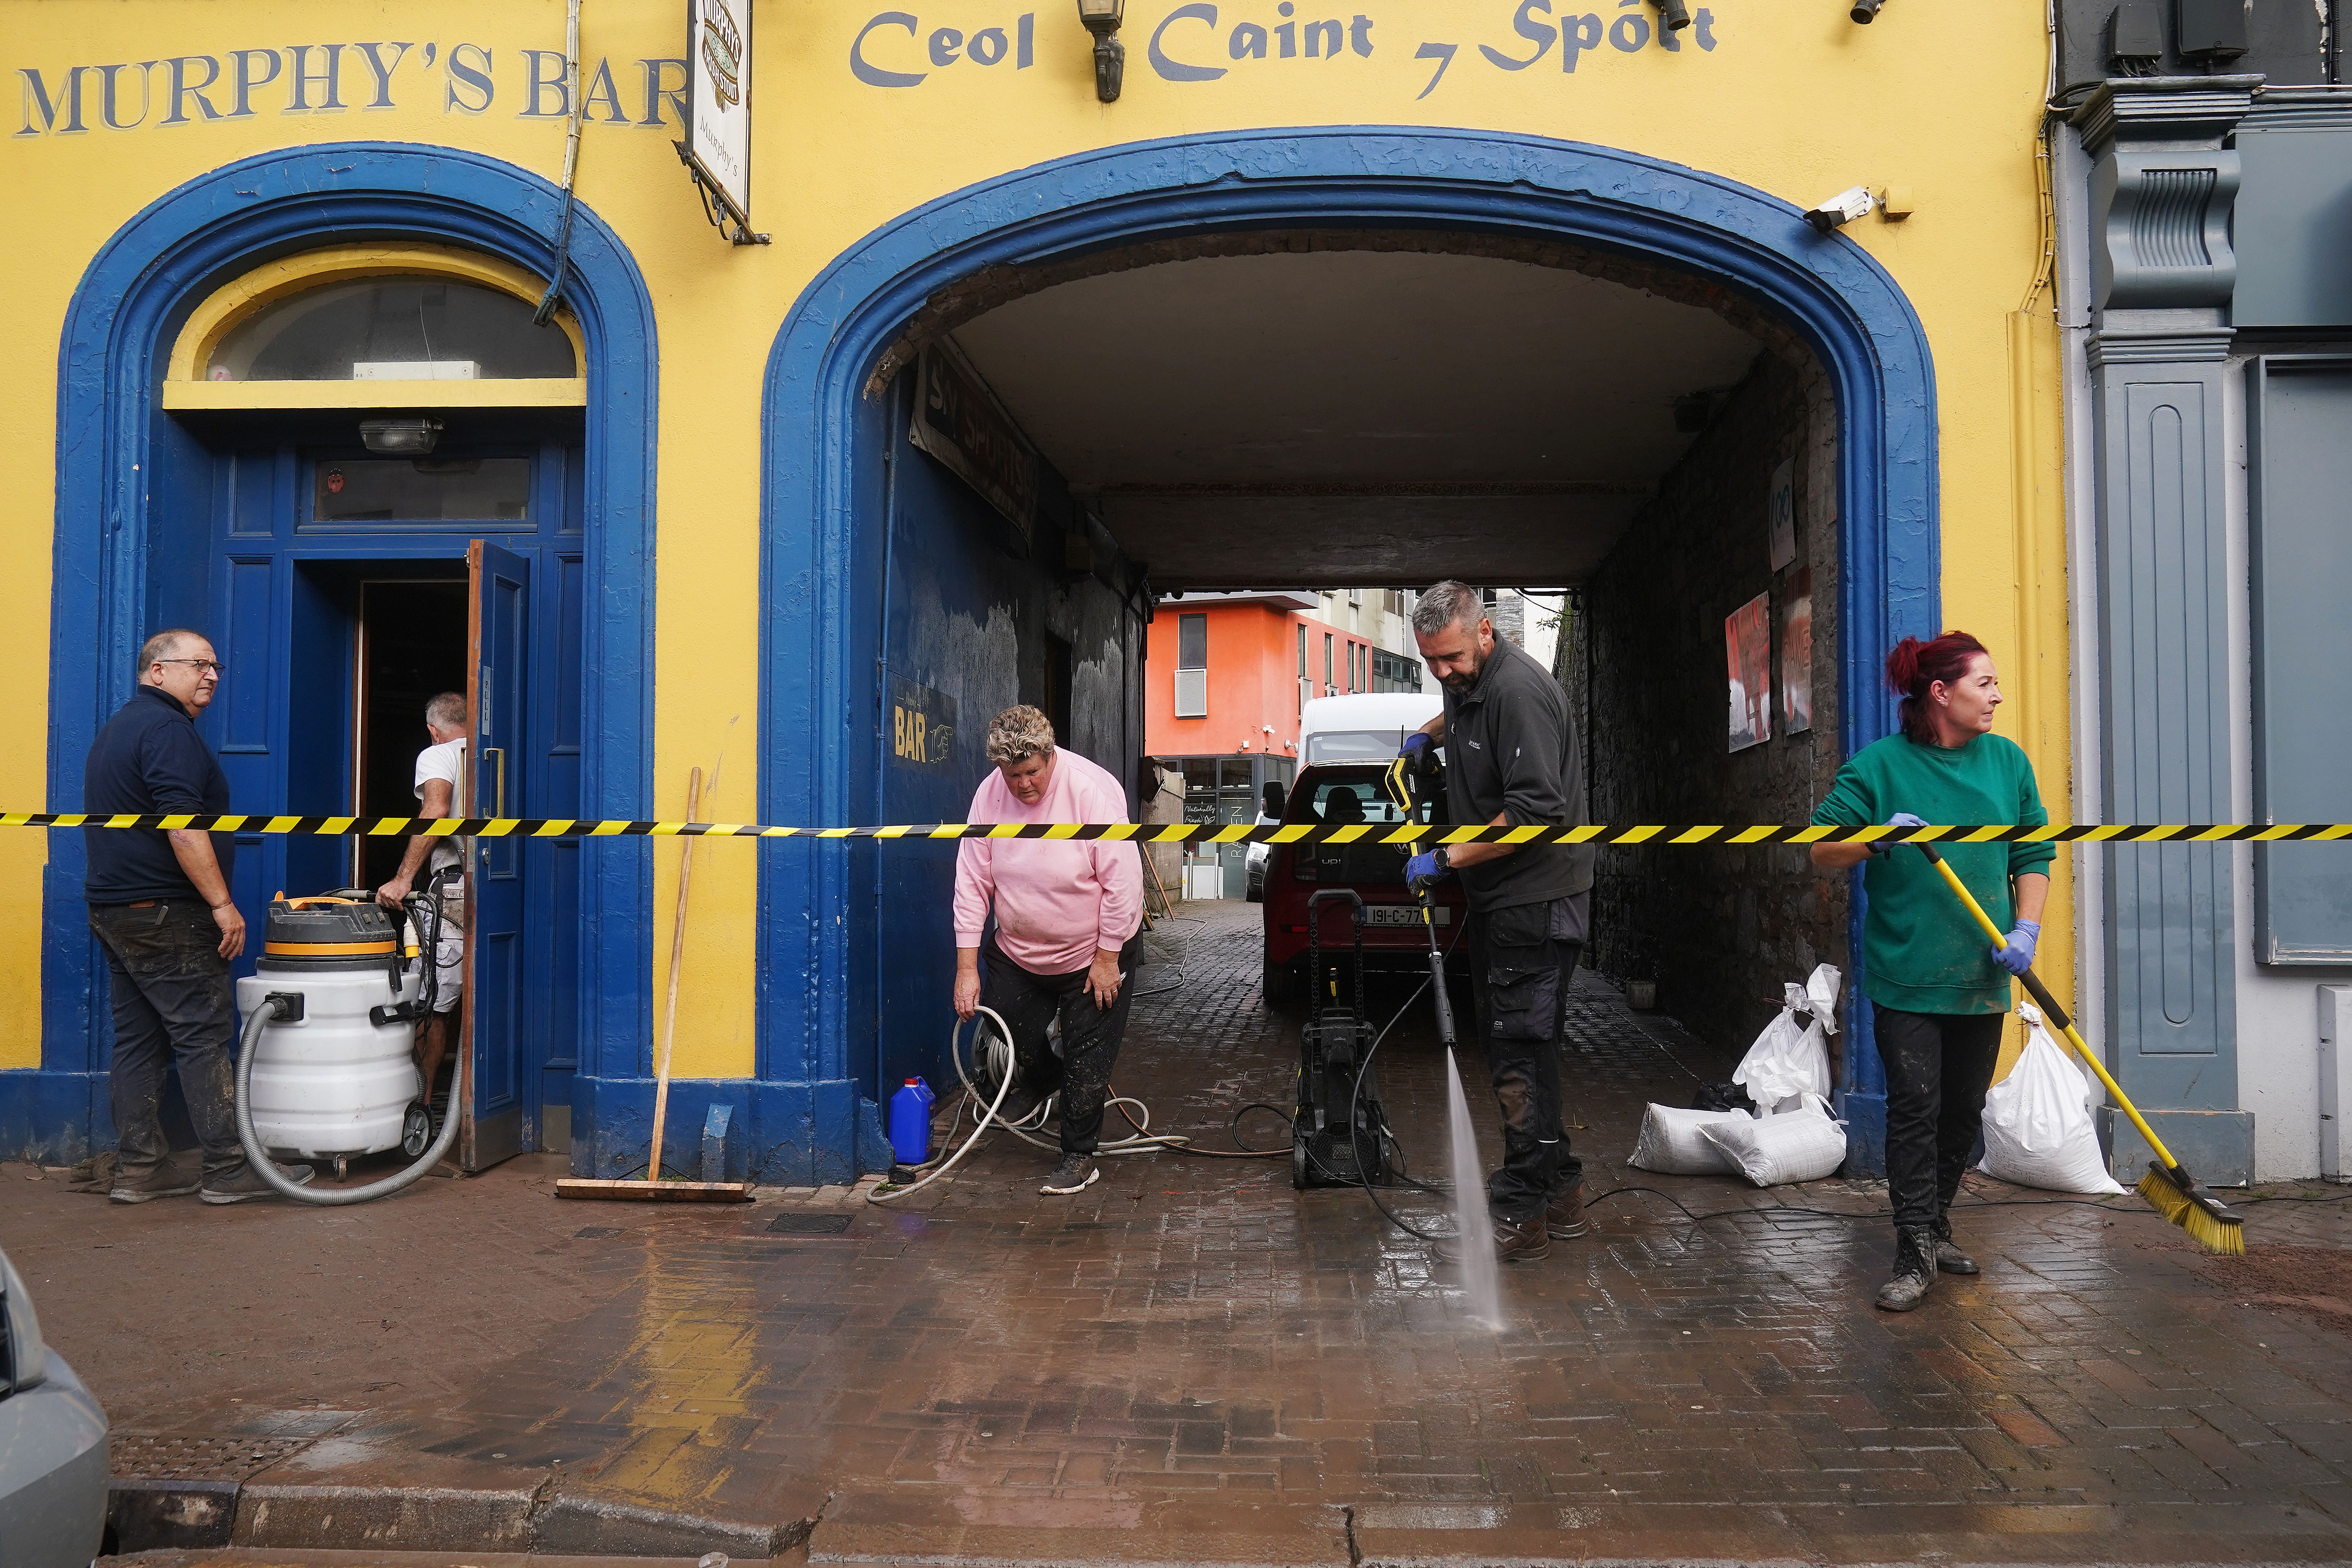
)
(1366, 728)
(1369, 727)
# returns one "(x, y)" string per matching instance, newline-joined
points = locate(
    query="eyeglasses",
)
(216, 666)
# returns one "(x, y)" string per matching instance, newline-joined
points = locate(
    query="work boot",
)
(1564, 1216)
(1526, 1241)
(247, 1184)
(1915, 1270)
(1949, 1258)
(1076, 1173)
(166, 1180)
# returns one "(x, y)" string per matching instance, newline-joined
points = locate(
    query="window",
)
(379, 324)
(1329, 688)
(420, 490)
(414, 328)
(1355, 598)
(1191, 667)
(1394, 671)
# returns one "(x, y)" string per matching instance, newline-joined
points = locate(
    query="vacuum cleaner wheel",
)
(415, 1130)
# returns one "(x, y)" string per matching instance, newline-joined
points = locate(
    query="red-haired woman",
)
(1939, 995)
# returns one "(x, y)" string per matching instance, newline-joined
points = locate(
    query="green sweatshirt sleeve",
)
(2024, 857)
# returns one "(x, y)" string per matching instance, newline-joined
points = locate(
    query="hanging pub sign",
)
(717, 145)
(958, 421)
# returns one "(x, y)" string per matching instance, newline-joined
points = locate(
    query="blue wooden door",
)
(497, 1056)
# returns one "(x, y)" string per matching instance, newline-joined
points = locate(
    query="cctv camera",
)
(1866, 10)
(1842, 208)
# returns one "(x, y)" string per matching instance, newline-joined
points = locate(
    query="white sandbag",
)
(1822, 989)
(2038, 1129)
(1787, 1062)
(1801, 1145)
(1670, 1143)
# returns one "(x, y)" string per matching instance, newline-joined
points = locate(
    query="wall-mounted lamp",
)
(1673, 15)
(1866, 10)
(400, 437)
(1102, 18)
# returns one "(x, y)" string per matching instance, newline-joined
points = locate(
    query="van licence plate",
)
(1403, 915)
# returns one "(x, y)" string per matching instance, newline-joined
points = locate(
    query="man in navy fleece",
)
(159, 900)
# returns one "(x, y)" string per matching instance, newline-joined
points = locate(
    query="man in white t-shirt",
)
(440, 788)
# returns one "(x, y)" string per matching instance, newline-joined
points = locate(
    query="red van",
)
(1337, 794)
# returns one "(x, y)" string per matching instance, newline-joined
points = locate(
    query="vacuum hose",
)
(287, 1006)
(266, 1168)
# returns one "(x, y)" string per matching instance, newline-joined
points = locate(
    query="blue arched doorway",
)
(127, 558)
(821, 582)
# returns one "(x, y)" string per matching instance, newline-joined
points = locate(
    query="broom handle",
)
(2050, 1007)
(677, 962)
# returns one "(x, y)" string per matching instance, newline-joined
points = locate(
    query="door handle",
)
(498, 801)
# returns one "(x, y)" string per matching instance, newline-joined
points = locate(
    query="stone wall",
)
(1718, 929)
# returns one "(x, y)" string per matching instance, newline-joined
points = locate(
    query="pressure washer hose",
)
(1144, 1142)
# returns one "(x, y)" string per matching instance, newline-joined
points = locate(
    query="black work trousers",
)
(1938, 1066)
(1090, 1034)
(1522, 967)
(171, 1003)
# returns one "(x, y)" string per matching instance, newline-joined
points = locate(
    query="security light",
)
(1673, 15)
(400, 437)
(1866, 10)
(1102, 17)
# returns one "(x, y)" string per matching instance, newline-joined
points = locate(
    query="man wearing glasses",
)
(159, 901)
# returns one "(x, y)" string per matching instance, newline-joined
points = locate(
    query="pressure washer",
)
(1339, 1136)
(327, 1066)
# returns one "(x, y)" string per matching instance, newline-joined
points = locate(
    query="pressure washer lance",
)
(1399, 789)
(282, 947)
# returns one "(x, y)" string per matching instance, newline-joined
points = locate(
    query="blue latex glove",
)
(1422, 872)
(1900, 819)
(2017, 955)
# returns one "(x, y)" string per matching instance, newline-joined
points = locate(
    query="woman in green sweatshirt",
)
(1939, 995)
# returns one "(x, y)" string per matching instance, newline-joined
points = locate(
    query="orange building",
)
(1226, 677)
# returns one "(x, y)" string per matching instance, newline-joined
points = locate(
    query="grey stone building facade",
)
(2201, 166)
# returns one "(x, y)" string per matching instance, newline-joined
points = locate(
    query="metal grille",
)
(152, 1457)
(1192, 694)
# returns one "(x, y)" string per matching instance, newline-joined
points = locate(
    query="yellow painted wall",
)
(1794, 99)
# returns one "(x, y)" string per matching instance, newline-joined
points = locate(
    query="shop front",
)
(1012, 348)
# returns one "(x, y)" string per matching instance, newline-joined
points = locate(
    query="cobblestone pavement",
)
(1191, 1362)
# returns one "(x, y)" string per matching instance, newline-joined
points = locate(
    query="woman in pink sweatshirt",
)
(1065, 944)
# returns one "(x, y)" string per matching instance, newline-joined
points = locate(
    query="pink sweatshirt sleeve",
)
(975, 881)
(1118, 869)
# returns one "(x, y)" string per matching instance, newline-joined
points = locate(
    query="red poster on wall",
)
(1748, 650)
(1797, 655)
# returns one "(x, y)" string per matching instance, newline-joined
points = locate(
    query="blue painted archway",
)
(819, 563)
(111, 541)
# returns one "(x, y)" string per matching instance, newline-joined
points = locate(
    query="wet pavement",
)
(1192, 1362)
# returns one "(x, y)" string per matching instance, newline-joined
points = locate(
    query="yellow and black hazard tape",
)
(1180, 833)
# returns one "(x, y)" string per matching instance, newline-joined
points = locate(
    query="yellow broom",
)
(2169, 1190)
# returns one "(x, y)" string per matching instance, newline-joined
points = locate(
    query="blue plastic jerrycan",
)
(911, 1123)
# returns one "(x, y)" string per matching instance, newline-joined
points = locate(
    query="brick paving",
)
(1191, 1362)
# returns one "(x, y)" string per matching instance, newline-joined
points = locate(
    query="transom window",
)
(419, 328)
